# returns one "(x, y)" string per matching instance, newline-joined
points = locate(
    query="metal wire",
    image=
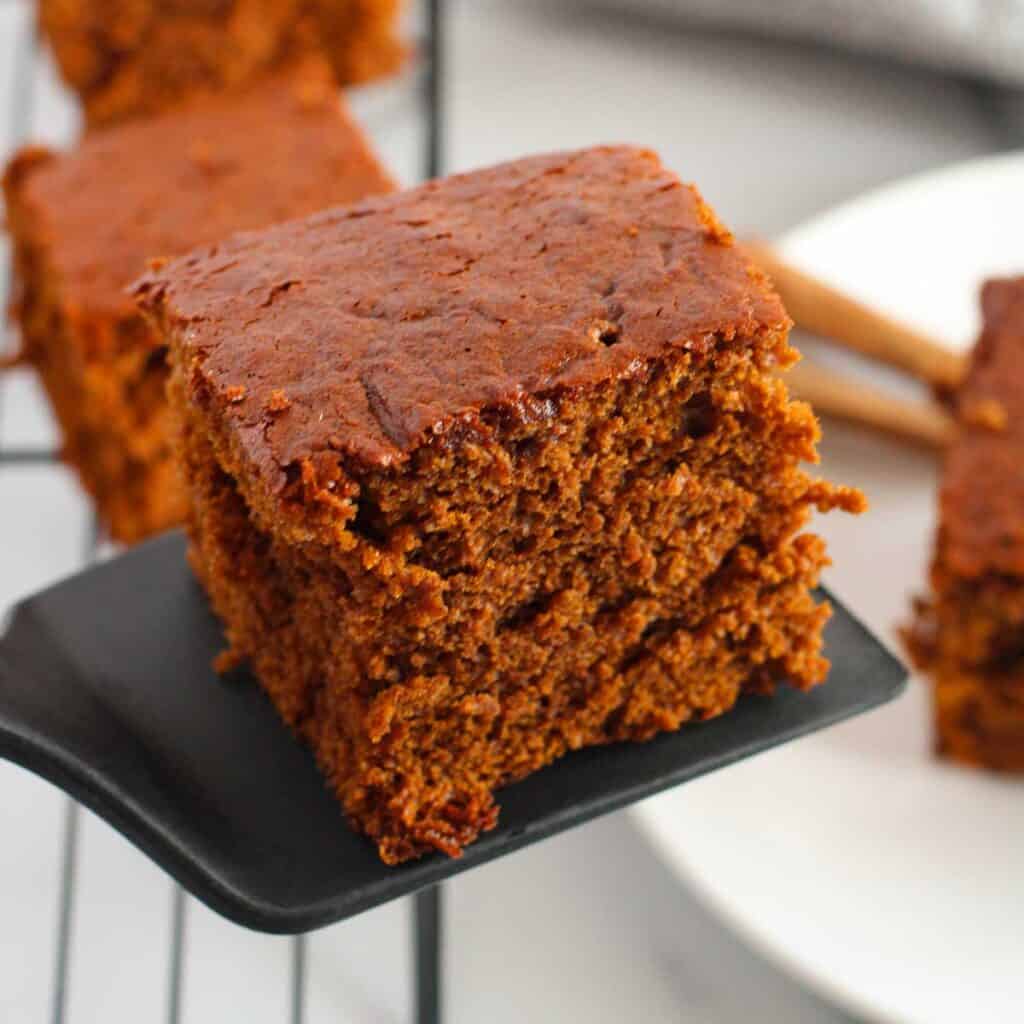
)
(427, 905)
(176, 980)
(433, 86)
(69, 856)
(65, 906)
(298, 1003)
(428, 966)
(427, 949)
(27, 457)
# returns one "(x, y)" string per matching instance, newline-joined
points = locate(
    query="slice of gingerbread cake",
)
(132, 58)
(491, 470)
(969, 632)
(86, 222)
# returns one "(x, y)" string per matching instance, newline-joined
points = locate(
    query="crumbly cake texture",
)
(491, 470)
(86, 222)
(969, 632)
(127, 58)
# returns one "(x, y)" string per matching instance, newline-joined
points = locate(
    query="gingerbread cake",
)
(127, 58)
(969, 633)
(491, 470)
(86, 222)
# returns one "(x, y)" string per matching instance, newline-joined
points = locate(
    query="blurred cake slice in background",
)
(126, 58)
(86, 222)
(969, 633)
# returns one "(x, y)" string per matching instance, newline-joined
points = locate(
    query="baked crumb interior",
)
(623, 560)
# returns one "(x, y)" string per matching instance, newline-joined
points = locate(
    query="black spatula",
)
(106, 689)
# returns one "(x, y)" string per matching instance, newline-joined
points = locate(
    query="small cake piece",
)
(86, 223)
(492, 470)
(969, 633)
(130, 57)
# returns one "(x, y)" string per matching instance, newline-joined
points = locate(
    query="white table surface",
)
(587, 926)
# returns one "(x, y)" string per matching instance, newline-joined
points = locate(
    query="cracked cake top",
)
(369, 328)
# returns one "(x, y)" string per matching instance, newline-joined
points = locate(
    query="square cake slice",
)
(969, 633)
(491, 470)
(127, 58)
(85, 224)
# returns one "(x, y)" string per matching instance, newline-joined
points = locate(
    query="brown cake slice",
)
(969, 633)
(85, 223)
(492, 470)
(127, 58)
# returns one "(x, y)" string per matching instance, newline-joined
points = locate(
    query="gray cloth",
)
(979, 37)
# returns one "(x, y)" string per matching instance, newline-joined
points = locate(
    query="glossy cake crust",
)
(494, 290)
(491, 470)
(85, 223)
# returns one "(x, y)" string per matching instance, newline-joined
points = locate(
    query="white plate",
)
(888, 881)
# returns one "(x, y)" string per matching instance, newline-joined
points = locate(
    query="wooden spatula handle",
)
(829, 393)
(822, 310)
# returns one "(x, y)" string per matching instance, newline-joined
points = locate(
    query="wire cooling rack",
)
(18, 103)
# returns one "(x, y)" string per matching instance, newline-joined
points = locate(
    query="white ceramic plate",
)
(888, 881)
